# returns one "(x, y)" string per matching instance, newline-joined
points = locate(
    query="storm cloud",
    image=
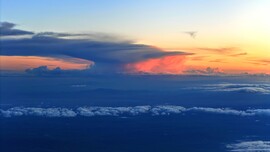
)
(107, 52)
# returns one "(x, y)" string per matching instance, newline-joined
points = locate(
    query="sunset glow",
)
(21, 63)
(134, 75)
(232, 36)
(164, 65)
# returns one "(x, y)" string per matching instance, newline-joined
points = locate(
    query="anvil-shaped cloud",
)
(107, 52)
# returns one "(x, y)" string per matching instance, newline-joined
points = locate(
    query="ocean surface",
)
(135, 114)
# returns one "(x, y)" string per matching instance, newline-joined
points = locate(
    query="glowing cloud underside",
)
(164, 65)
(24, 62)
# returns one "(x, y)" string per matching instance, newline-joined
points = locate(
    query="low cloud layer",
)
(126, 111)
(241, 88)
(250, 146)
(207, 71)
(45, 71)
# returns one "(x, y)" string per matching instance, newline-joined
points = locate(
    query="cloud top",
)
(7, 29)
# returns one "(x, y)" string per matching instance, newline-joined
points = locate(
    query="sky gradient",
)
(232, 36)
(134, 75)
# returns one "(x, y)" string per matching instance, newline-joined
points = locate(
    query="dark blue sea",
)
(175, 114)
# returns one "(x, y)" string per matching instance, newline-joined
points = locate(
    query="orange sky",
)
(231, 35)
(229, 62)
(24, 62)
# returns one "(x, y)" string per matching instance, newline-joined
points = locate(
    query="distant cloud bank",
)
(242, 88)
(126, 111)
(207, 71)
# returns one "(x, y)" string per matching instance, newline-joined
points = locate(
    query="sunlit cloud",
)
(108, 53)
(163, 65)
(112, 54)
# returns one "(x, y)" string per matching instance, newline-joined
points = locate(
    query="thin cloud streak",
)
(250, 146)
(238, 54)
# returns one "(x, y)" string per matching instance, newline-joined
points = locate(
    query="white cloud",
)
(245, 88)
(250, 146)
(260, 111)
(126, 111)
(103, 111)
(167, 110)
(223, 111)
(48, 112)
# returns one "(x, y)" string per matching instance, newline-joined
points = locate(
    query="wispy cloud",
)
(218, 60)
(260, 61)
(250, 146)
(242, 88)
(198, 58)
(224, 50)
(266, 61)
(238, 54)
(228, 51)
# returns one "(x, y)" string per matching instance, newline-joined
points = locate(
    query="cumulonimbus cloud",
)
(107, 52)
